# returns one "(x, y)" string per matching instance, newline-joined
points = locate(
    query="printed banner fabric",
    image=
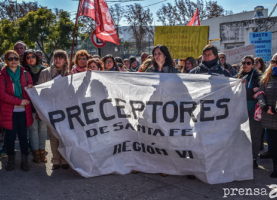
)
(179, 124)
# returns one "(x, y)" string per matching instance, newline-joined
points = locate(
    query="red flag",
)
(104, 25)
(86, 8)
(195, 19)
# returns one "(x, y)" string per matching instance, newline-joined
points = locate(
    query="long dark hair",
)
(243, 60)
(168, 58)
(114, 63)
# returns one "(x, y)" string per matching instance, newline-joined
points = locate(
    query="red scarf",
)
(76, 69)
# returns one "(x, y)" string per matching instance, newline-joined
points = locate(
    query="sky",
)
(236, 6)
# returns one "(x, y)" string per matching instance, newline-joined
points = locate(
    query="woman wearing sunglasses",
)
(268, 101)
(38, 131)
(252, 86)
(109, 63)
(15, 108)
(80, 61)
(58, 69)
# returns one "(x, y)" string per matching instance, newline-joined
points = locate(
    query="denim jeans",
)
(19, 127)
(267, 140)
(37, 134)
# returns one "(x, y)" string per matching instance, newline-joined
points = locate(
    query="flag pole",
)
(74, 36)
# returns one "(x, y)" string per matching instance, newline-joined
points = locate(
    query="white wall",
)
(215, 22)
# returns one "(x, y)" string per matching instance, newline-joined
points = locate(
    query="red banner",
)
(195, 19)
(87, 9)
(104, 25)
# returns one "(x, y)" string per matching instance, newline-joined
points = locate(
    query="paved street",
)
(42, 183)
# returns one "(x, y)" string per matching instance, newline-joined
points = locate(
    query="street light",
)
(12, 3)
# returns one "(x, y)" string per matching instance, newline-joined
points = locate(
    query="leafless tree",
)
(117, 13)
(140, 21)
(183, 10)
(14, 11)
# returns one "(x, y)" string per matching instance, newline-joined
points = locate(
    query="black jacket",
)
(165, 69)
(216, 70)
(269, 99)
(230, 69)
(255, 83)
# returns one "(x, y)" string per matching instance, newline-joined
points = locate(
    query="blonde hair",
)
(268, 72)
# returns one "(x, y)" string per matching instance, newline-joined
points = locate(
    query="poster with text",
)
(262, 41)
(182, 41)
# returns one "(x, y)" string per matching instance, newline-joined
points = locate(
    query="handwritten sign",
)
(182, 41)
(234, 56)
(262, 41)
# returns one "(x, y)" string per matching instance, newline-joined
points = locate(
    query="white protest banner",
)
(179, 124)
(234, 56)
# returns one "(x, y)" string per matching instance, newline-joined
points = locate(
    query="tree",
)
(46, 30)
(117, 13)
(140, 21)
(183, 10)
(13, 12)
(7, 35)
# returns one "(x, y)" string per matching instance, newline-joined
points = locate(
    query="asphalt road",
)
(43, 183)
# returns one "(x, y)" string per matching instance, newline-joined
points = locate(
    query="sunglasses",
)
(273, 62)
(13, 58)
(29, 57)
(247, 63)
(182, 60)
(222, 57)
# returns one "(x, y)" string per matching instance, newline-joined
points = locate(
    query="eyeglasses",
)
(10, 59)
(222, 57)
(82, 59)
(107, 62)
(248, 63)
(29, 57)
(273, 62)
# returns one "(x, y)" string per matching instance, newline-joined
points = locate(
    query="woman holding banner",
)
(38, 130)
(109, 63)
(252, 86)
(162, 61)
(80, 61)
(267, 98)
(57, 70)
(15, 108)
(190, 63)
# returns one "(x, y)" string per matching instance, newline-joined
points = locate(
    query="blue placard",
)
(262, 41)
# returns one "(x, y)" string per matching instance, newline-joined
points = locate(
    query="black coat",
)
(165, 69)
(216, 70)
(269, 99)
(255, 83)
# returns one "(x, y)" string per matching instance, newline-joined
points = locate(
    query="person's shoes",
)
(255, 164)
(164, 175)
(11, 163)
(3, 153)
(65, 166)
(274, 173)
(191, 177)
(55, 166)
(135, 172)
(24, 163)
(42, 156)
(36, 155)
(266, 155)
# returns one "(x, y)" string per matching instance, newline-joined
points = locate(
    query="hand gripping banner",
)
(179, 124)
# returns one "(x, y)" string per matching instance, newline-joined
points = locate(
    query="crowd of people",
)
(23, 67)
